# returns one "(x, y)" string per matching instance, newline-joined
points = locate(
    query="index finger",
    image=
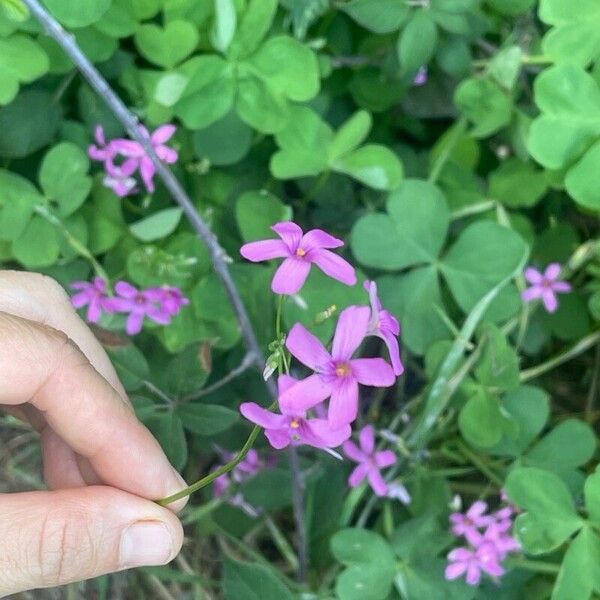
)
(41, 365)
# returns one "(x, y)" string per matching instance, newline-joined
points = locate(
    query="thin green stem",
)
(282, 544)
(537, 566)
(584, 344)
(473, 209)
(444, 155)
(479, 464)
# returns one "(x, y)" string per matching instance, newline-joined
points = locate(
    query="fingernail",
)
(146, 543)
(180, 479)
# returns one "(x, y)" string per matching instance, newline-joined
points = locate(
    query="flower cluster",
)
(489, 539)
(545, 286)
(319, 410)
(243, 471)
(159, 304)
(131, 157)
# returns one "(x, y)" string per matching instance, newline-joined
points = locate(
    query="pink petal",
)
(129, 167)
(358, 475)
(290, 276)
(385, 458)
(99, 135)
(261, 416)
(394, 350)
(373, 371)
(552, 272)
(167, 154)
(350, 331)
(94, 310)
(352, 451)
(290, 233)
(285, 382)
(455, 570)
(118, 305)
(278, 438)
(473, 574)
(134, 323)
(335, 266)
(533, 275)
(477, 509)
(562, 287)
(162, 317)
(367, 439)
(264, 250)
(329, 438)
(96, 153)
(532, 293)
(80, 300)
(163, 134)
(147, 171)
(343, 406)
(461, 554)
(550, 301)
(307, 348)
(317, 238)
(377, 482)
(126, 290)
(371, 288)
(304, 395)
(128, 148)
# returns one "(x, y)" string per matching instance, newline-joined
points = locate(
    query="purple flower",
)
(292, 426)
(171, 299)
(469, 523)
(119, 179)
(369, 461)
(421, 77)
(337, 375)
(300, 251)
(384, 325)
(103, 152)
(545, 286)
(93, 295)
(138, 304)
(472, 562)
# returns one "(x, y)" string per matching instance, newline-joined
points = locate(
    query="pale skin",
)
(102, 467)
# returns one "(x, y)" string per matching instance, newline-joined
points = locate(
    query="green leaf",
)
(225, 142)
(570, 444)
(63, 177)
(551, 516)
(380, 16)
(257, 211)
(210, 91)
(517, 184)
(119, 20)
(22, 60)
(206, 419)
(224, 26)
(498, 366)
(38, 244)
(157, 226)
(592, 496)
(374, 165)
(581, 178)
(18, 196)
(484, 254)
(104, 216)
(412, 232)
(270, 489)
(244, 581)
(185, 373)
(505, 66)
(579, 573)
(16, 10)
(417, 42)
(485, 104)
(289, 67)
(511, 7)
(480, 420)
(77, 13)
(350, 135)
(254, 25)
(168, 430)
(168, 46)
(28, 123)
(574, 38)
(131, 366)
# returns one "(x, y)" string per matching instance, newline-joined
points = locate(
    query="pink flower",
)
(545, 286)
(369, 461)
(472, 562)
(171, 299)
(292, 426)
(421, 77)
(136, 151)
(468, 524)
(384, 325)
(300, 251)
(103, 151)
(139, 304)
(337, 375)
(93, 295)
(119, 179)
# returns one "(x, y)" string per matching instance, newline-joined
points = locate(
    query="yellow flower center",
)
(343, 370)
(301, 252)
(295, 424)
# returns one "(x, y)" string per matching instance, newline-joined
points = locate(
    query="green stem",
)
(45, 213)
(536, 566)
(473, 209)
(278, 318)
(581, 346)
(479, 464)
(444, 155)
(282, 544)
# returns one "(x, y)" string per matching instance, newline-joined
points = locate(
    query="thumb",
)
(52, 538)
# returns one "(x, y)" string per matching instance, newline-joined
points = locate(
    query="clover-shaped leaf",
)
(167, 46)
(78, 13)
(22, 60)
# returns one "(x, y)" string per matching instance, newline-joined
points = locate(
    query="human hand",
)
(102, 465)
